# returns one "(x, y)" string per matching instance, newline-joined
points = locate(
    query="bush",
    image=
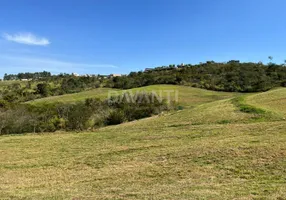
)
(43, 89)
(4, 104)
(78, 115)
(115, 117)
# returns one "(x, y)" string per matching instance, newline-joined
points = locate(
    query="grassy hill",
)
(212, 149)
(187, 96)
(274, 100)
(70, 98)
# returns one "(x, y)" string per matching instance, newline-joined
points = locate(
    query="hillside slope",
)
(70, 98)
(187, 96)
(209, 150)
(274, 100)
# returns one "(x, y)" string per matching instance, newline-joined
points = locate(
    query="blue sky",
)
(119, 36)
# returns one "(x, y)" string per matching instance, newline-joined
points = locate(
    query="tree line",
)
(27, 75)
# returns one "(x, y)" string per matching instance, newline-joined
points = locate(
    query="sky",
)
(120, 36)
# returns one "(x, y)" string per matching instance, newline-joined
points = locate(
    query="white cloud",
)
(26, 38)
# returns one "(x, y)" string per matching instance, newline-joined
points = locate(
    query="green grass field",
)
(209, 150)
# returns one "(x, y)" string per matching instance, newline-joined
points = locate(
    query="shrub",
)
(115, 117)
(43, 89)
(3, 103)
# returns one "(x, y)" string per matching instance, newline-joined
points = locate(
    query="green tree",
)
(43, 89)
(270, 58)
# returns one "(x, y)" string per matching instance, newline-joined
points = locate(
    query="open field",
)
(209, 150)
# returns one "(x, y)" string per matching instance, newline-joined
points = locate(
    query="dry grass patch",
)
(192, 162)
(209, 150)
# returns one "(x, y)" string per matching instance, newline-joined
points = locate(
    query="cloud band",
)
(26, 38)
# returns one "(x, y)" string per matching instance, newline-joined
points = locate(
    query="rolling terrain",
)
(219, 146)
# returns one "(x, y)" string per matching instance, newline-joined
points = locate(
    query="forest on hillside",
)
(232, 76)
